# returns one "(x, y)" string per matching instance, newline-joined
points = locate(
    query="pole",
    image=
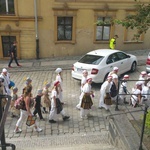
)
(3, 115)
(3, 133)
(143, 126)
(36, 29)
(116, 108)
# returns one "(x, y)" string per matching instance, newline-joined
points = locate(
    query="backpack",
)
(19, 103)
(113, 90)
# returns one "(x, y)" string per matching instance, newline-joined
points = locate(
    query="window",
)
(91, 59)
(64, 28)
(103, 31)
(7, 41)
(122, 56)
(7, 7)
(112, 58)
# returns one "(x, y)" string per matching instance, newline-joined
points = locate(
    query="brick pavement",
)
(75, 127)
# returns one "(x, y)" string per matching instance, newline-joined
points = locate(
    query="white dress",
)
(145, 89)
(6, 83)
(105, 88)
(121, 90)
(134, 97)
(83, 81)
(58, 78)
(86, 89)
(53, 112)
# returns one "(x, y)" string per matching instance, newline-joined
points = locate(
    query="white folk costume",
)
(86, 97)
(83, 82)
(59, 78)
(5, 76)
(53, 116)
(142, 79)
(114, 86)
(148, 85)
(46, 103)
(123, 88)
(14, 97)
(136, 94)
(105, 88)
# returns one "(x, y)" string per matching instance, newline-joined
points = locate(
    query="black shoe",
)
(12, 116)
(125, 102)
(66, 118)
(42, 119)
(52, 121)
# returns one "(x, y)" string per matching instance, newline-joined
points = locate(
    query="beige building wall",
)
(22, 25)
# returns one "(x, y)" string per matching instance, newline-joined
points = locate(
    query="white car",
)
(100, 62)
(148, 63)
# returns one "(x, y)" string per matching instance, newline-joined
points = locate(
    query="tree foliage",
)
(139, 21)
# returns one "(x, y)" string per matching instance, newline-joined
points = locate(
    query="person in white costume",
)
(83, 81)
(54, 105)
(147, 83)
(136, 94)
(60, 88)
(105, 88)
(114, 86)
(86, 97)
(5, 76)
(142, 79)
(123, 89)
(114, 72)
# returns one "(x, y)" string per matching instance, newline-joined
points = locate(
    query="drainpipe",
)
(36, 29)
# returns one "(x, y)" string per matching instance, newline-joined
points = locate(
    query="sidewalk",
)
(64, 62)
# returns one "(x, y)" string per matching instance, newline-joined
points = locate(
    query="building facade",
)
(53, 28)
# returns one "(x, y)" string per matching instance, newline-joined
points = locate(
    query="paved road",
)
(70, 133)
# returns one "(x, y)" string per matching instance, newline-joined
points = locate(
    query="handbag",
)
(31, 120)
(107, 99)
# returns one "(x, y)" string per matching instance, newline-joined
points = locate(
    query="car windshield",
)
(91, 59)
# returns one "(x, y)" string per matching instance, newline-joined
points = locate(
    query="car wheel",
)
(133, 67)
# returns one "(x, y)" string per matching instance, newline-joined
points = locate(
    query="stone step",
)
(63, 142)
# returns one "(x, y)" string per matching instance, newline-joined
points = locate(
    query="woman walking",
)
(25, 111)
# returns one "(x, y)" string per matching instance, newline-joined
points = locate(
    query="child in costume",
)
(56, 106)
(14, 112)
(37, 104)
(46, 103)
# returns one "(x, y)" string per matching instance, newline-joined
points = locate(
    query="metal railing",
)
(144, 111)
(3, 116)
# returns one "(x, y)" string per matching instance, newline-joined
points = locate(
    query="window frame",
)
(8, 7)
(103, 13)
(65, 13)
(103, 28)
(64, 25)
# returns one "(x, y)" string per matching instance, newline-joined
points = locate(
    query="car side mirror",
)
(128, 56)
